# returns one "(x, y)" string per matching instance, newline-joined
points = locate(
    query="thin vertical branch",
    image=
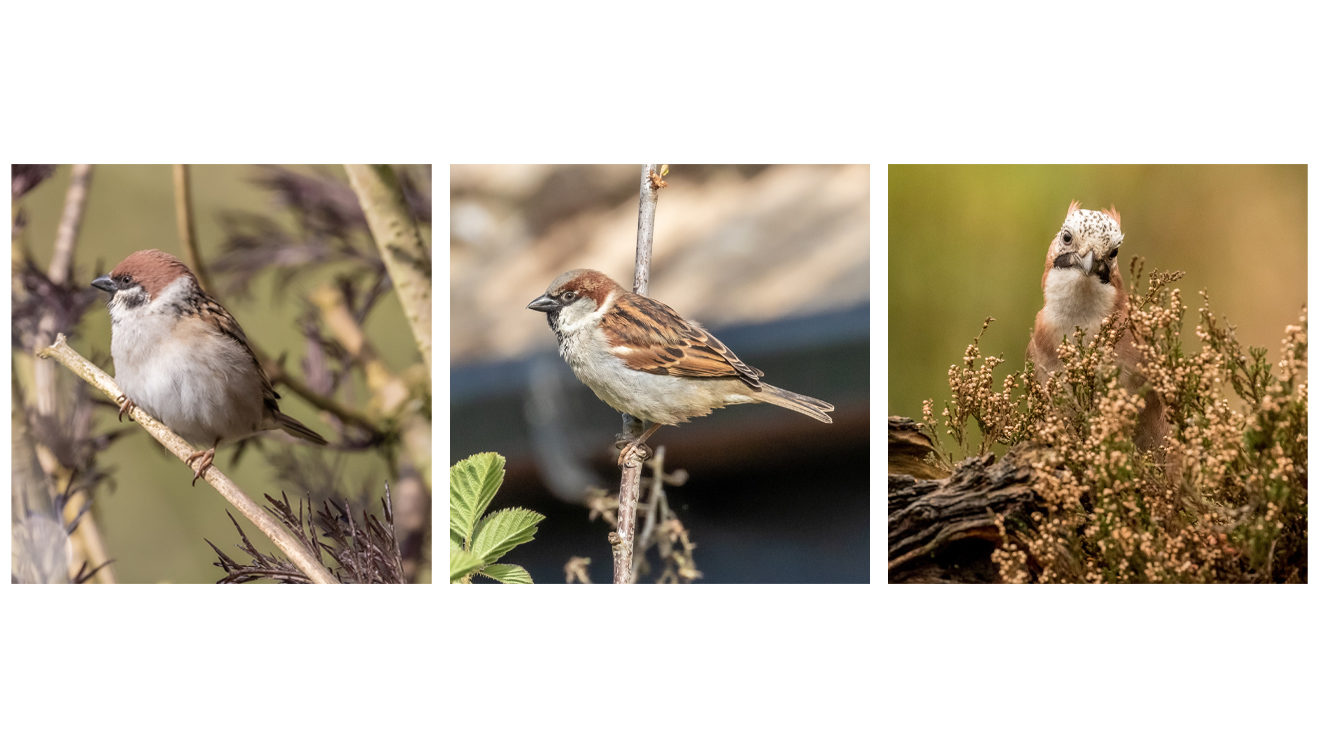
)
(621, 540)
(61, 267)
(183, 216)
(652, 507)
(650, 198)
(66, 237)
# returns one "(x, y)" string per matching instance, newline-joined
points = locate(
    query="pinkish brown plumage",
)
(1083, 286)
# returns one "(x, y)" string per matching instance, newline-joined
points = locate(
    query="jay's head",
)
(1087, 245)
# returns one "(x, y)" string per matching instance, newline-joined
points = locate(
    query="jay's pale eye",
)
(1067, 237)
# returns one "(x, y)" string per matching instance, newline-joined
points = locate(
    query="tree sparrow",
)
(1082, 287)
(182, 358)
(643, 359)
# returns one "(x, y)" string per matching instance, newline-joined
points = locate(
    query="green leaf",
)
(507, 573)
(502, 531)
(472, 484)
(462, 563)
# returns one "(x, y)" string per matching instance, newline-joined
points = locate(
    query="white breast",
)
(196, 380)
(656, 398)
(1074, 299)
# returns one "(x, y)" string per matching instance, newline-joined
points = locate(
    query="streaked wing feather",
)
(661, 342)
(229, 327)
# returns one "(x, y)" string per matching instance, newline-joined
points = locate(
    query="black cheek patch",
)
(1103, 272)
(133, 299)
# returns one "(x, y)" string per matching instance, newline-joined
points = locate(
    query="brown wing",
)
(651, 337)
(229, 327)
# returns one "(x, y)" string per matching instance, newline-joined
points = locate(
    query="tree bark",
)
(944, 530)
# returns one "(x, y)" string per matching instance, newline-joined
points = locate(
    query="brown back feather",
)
(685, 350)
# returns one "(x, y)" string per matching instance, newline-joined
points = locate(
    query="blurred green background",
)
(154, 522)
(969, 242)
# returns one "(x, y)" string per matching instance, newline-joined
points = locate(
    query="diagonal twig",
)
(267, 524)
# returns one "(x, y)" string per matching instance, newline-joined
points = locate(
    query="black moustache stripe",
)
(552, 319)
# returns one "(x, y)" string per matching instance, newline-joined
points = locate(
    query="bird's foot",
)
(124, 405)
(204, 459)
(635, 450)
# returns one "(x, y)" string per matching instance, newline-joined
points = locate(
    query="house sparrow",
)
(643, 359)
(182, 358)
(1083, 286)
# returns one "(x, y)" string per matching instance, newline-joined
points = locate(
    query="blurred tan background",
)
(732, 244)
(773, 260)
(154, 522)
(967, 242)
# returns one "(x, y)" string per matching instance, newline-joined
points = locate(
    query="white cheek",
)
(583, 314)
(575, 317)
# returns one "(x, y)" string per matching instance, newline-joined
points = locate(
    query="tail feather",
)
(807, 406)
(295, 427)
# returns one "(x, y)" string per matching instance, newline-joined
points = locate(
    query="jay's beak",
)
(1085, 262)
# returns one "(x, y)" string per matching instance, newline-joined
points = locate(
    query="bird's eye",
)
(569, 295)
(1067, 237)
(1113, 253)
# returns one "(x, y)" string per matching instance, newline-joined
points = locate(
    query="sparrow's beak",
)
(543, 303)
(105, 284)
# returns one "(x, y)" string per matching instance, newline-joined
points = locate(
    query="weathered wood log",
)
(908, 449)
(944, 530)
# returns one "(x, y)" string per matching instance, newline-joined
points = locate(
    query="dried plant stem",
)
(86, 540)
(653, 502)
(279, 535)
(183, 215)
(389, 391)
(61, 267)
(407, 258)
(621, 541)
(391, 394)
(280, 375)
(66, 238)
